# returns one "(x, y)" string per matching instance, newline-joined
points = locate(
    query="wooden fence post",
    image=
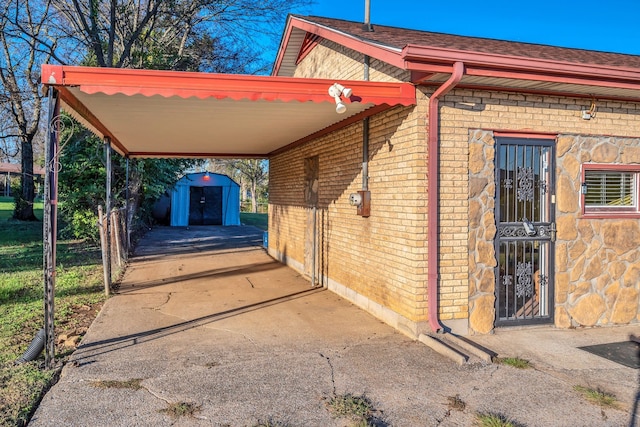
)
(104, 248)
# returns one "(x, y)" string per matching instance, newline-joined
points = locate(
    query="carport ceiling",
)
(148, 113)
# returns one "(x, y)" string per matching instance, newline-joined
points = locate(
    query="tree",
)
(82, 177)
(256, 173)
(203, 35)
(192, 35)
(22, 26)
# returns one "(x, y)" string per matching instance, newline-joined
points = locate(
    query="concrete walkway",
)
(205, 318)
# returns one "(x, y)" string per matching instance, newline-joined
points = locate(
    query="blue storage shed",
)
(205, 199)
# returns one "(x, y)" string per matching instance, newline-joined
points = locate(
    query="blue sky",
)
(606, 25)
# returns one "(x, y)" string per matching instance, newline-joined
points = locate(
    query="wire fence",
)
(114, 241)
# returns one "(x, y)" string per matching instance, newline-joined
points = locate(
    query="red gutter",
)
(472, 60)
(432, 196)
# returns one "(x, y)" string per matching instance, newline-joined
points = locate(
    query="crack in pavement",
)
(333, 378)
(164, 303)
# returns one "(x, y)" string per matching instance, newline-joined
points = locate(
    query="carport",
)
(148, 113)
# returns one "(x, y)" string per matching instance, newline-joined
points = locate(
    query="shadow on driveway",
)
(205, 317)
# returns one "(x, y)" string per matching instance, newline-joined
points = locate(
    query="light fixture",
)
(337, 90)
(345, 91)
(591, 112)
(206, 176)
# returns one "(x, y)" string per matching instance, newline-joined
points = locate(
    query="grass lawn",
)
(260, 220)
(79, 295)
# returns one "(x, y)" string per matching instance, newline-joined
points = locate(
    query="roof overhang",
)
(149, 113)
(504, 72)
(483, 70)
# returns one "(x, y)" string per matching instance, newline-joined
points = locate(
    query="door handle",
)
(528, 227)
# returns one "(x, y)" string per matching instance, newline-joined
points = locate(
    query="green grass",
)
(78, 289)
(358, 409)
(259, 220)
(6, 208)
(494, 420)
(133, 384)
(514, 362)
(597, 396)
(181, 409)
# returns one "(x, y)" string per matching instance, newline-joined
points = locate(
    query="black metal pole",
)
(107, 150)
(49, 225)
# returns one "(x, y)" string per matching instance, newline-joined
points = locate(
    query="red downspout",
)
(432, 187)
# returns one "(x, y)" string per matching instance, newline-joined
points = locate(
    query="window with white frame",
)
(610, 190)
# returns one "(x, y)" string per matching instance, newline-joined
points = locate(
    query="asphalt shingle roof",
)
(400, 37)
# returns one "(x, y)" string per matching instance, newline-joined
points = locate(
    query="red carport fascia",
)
(433, 222)
(220, 86)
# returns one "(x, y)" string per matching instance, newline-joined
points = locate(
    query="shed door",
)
(526, 231)
(205, 206)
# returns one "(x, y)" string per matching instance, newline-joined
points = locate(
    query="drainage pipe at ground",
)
(34, 349)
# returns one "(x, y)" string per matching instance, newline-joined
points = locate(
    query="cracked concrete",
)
(277, 350)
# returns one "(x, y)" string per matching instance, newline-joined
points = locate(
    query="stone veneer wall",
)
(482, 231)
(597, 260)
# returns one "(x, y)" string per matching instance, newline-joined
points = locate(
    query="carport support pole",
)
(49, 224)
(313, 251)
(107, 231)
(126, 209)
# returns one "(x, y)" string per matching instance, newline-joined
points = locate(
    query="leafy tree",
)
(251, 174)
(82, 178)
(22, 27)
(255, 173)
(204, 35)
(192, 35)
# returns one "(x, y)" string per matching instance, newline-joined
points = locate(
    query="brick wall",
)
(380, 262)
(329, 60)
(380, 258)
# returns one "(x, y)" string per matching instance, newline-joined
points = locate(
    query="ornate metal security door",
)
(526, 230)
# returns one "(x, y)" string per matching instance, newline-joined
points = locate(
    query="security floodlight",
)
(336, 90)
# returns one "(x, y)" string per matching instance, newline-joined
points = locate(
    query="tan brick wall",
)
(329, 60)
(383, 258)
(380, 257)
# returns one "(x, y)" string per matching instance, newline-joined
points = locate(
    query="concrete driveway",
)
(206, 319)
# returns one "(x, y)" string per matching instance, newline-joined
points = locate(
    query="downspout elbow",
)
(432, 196)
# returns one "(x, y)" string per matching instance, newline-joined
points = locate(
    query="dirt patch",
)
(69, 332)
